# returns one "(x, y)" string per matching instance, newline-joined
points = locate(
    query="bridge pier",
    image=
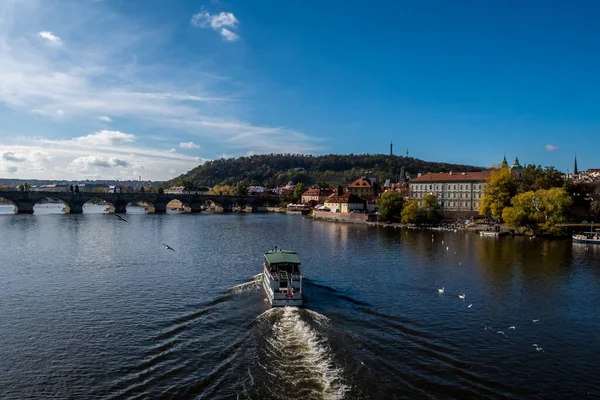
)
(119, 208)
(160, 208)
(24, 207)
(196, 208)
(75, 208)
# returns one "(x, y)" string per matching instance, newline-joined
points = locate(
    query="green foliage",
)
(278, 169)
(552, 209)
(286, 198)
(431, 209)
(595, 208)
(321, 185)
(411, 213)
(298, 191)
(390, 206)
(536, 178)
(497, 194)
(241, 189)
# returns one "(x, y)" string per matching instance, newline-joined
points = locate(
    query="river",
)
(96, 308)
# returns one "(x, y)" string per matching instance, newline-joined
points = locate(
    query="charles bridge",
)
(24, 201)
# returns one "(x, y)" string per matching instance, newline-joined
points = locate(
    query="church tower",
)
(504, 162)
(575, 171)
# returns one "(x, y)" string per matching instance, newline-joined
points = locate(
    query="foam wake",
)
(297, 361)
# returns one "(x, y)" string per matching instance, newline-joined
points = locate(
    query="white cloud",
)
(218, 23)
(106, 138)
(250, 153)
(550, 147)
(228, 35)
(95, 161)
(104, 118)
(50, 36)
(225, 156)
(172, 150)
(189, 145)
(10, 156)
(11, 169)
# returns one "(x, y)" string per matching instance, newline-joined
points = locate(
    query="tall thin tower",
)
(575, 171)
(391, 149)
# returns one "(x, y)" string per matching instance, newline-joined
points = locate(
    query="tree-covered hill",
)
(271, 170)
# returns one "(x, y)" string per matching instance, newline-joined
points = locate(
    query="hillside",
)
(278, 169)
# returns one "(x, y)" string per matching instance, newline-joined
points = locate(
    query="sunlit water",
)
(94, 307)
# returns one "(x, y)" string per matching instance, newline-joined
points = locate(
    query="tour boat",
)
(593, 238)
(281, 278)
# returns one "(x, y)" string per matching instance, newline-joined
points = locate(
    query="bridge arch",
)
(178, 205)
(51, 205)
(97, 205)
(7, 206)
(140, 205)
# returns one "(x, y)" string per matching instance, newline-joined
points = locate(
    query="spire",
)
(575, 172)
(504, 162)
(516, 164)
(391, 148)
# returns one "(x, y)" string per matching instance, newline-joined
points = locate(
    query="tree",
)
(241, 189)
(595, 208)
(390, 206)
(222, 190)
(410, 213)
(539, 212)
(431, 209)
(497, 194)
(322, 185)
(298, 191)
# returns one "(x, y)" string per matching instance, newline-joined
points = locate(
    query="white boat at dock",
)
(592, 238)
(281, 280)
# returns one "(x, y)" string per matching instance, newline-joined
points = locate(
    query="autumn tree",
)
(222, 190)
(390, 206)
(539, 212)
(501, 187)
(410, 213)
(431, 209)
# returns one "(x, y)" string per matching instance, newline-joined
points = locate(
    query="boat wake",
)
(243, 287)
(296, 360)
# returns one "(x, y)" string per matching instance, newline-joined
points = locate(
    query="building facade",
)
(316, 195)
(361, 187)
(455, 191)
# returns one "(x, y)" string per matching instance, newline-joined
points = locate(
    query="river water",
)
(95, 308)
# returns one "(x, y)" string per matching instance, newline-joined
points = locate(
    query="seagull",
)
(501, 333)
(512, 327)
(447, 248)
(470, 305)
(535, 345)
(539, 349)
(441, 291)
(460, 263)
(442, 242)
(534, 320)
(120, 218)
(461, 296)
(168, 247)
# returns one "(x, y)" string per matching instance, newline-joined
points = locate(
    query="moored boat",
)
(281, 280)
(593, 238)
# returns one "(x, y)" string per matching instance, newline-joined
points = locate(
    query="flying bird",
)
(534, 320)
(470, 305)
(120, 218)
(535, 204)
(539, 349)
(501, 333)
(461, 296)
(512, 327)
(441, 291)
(168, 247)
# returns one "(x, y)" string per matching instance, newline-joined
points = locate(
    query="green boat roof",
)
(282, 256)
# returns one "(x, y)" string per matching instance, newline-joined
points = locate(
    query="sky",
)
(117, 89)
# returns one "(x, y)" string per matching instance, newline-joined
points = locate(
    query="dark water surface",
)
(95, 308)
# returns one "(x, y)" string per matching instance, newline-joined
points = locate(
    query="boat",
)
(281, 280)
(489, 234)
(593, 238)
(298, 209)
(587, 237)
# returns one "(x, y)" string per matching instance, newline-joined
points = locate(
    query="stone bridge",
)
(25, 201)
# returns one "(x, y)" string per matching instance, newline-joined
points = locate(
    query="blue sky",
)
(122, 88)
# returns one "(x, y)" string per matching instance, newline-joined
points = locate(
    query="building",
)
(344, 202)
(593, 172)
(361, 187)
(456, 192)
(316, 195)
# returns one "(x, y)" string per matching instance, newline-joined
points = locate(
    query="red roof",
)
(361, 183)
(317, 192)
(452, 177)
(344, 198)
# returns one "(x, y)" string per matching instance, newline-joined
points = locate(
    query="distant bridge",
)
(157, 203)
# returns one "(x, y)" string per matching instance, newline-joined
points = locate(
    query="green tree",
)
(322, 185)
(538, 212)
(431, 209)
(498, 192)
(390, 206)
(595, 208)
(298, 191)
(241, 189)
(410, 213)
